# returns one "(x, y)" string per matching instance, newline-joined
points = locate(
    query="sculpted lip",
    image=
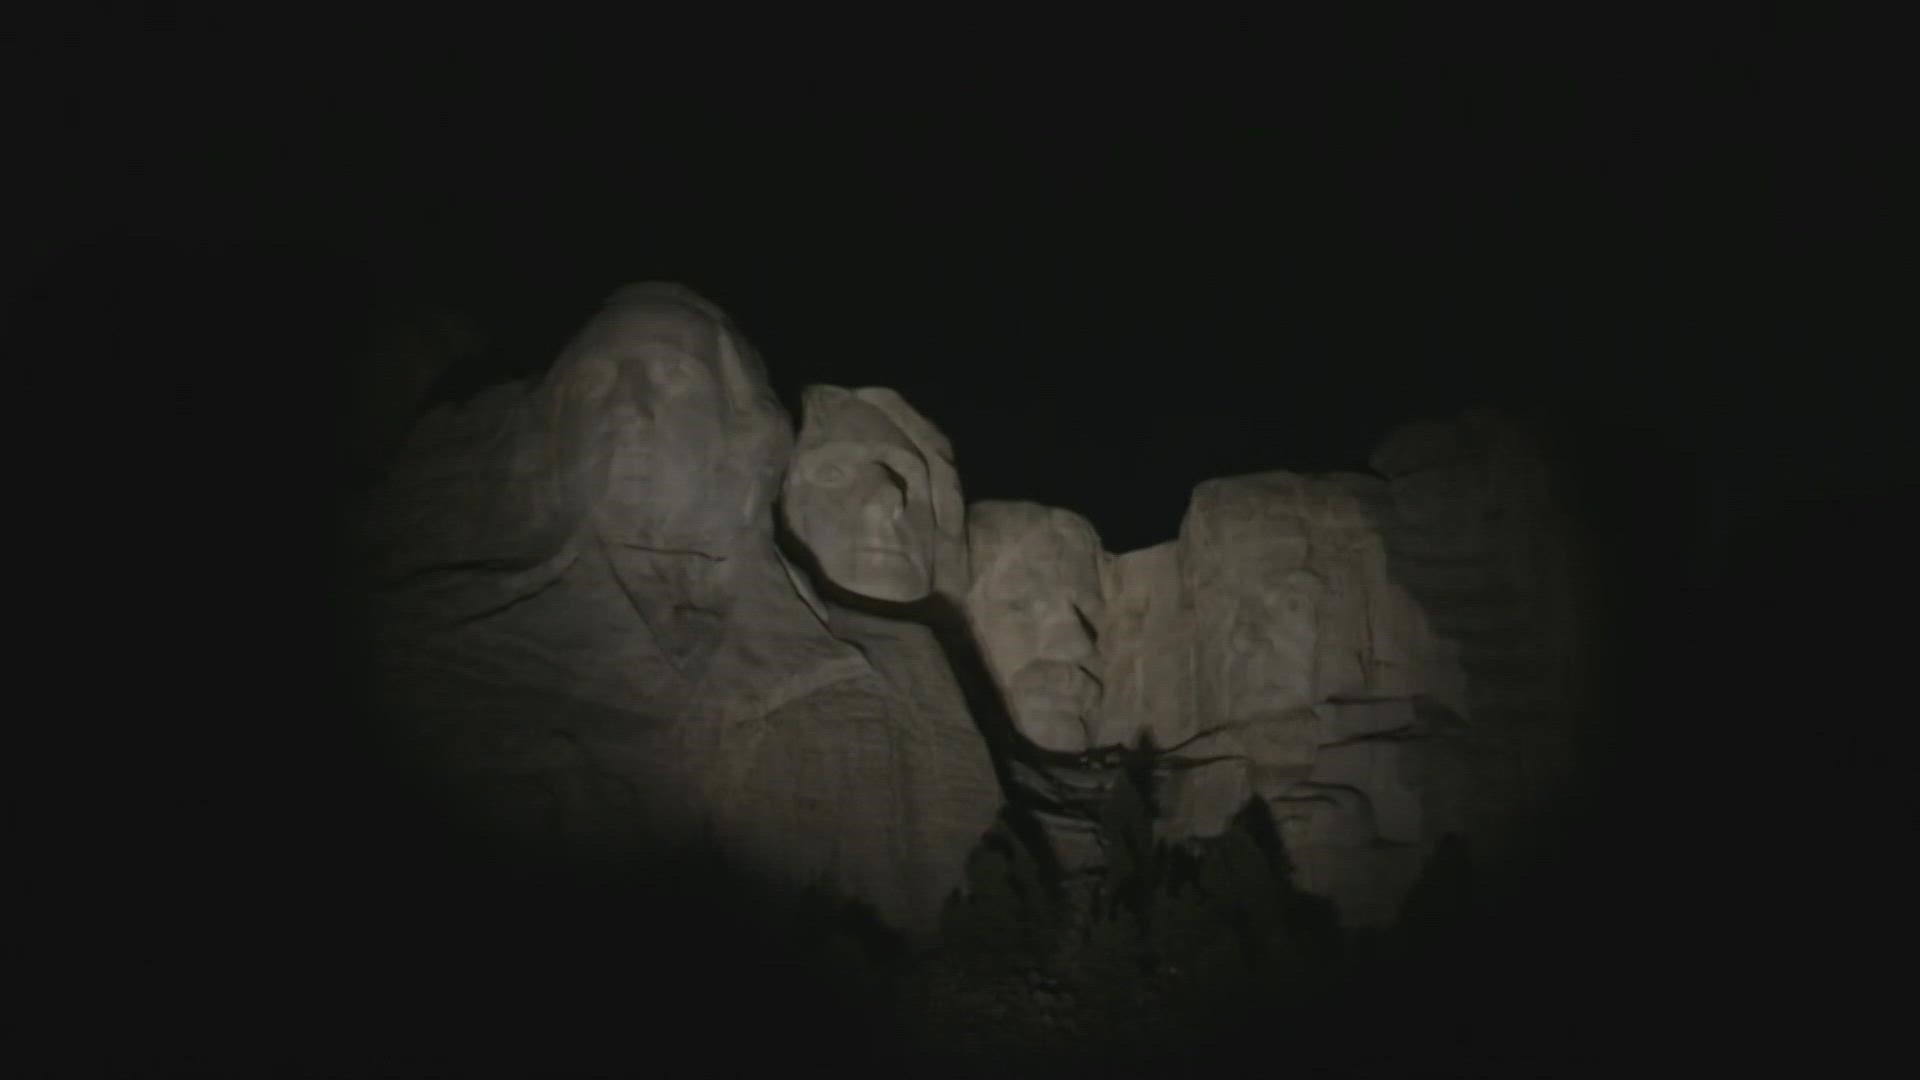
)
(890, 553)
(1053, 700)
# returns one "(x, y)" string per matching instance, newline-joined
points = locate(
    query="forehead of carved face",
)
(1247, 510)
(1047, 561)
(670, 356)
(858, 497)
(1036, 606)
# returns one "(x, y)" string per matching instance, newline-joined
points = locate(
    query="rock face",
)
(589, 628)
(1293, 597)
(874, 498)
(1147, 651)
(1354, 651)
(1036, 606)
(1311, 655)
(1382, 661)
(874, 502)
(626, 607)
(1477, 536)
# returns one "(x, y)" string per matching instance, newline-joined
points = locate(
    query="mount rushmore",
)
(627, 606)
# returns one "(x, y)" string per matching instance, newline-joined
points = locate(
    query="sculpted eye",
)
(673, 372)
(895, 478)
(831, 474)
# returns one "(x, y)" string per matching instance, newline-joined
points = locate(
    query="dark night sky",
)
(1106, 280)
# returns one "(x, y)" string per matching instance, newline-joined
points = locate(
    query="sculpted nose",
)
(886, 502)
(1065, 634)
(884, 508)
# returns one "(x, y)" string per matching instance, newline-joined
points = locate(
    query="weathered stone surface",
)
(1343, 666)
(1475, 549)
(1074, 839)
(470, 499)
(1480, 541)
(1200, 799)
(1391, 775)
(1326, 643)
(1243, 549)
(873, 496)
(950, 787)
(584, 605)
(874, 501)
(1347, 720)
(649, 453)
(1065, 797)
(1332, 834)
(1146, 651)
(1324, 816)
(1036, 606)
(588, 623)
(1293, 598)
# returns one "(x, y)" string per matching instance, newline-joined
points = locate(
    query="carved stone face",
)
(668, 434)
(1245, 545)
(699, 436)
(1035, 605)
(1267, 663)
(859, 496)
